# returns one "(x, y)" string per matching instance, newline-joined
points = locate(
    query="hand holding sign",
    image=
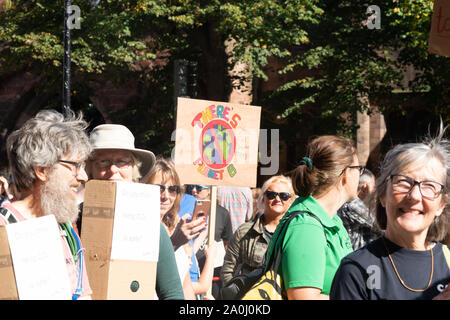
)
(216, 143)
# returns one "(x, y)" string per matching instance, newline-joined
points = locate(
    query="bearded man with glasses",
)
(47, 158)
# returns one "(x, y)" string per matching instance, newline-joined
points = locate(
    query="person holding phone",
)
(181, 230)
(223, 231)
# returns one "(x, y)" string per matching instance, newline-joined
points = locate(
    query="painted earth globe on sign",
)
(218, 144)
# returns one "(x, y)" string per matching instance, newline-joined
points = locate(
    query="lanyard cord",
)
(70, 240)
(80, 266)
(77, 252)
(398, 275)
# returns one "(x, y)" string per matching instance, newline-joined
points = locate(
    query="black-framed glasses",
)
(172, 189)
(360, 168)
(119, 163)
(404, 184)
(284, 196)
(190, 188)
(78, 165)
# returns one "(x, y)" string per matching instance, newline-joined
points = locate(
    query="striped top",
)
(238, 201)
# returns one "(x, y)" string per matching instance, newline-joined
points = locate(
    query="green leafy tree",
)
(329, 61)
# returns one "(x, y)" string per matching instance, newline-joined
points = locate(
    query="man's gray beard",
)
(57, 199)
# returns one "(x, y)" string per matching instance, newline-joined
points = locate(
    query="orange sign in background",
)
(217, 142)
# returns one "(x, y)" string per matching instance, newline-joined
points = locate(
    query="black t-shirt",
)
(222, 231)
(368, 273)
(268, 234)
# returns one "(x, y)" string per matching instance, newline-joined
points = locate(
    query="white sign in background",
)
(38, 259)
(136, 222)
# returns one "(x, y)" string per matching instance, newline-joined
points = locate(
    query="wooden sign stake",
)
(212, 223)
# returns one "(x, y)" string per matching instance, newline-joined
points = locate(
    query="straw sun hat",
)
(117, 136)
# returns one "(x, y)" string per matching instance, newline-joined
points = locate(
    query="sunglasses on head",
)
(284, 196)
(199, 188)
(171, 189)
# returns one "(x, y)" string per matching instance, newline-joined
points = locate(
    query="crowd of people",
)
(358, 236)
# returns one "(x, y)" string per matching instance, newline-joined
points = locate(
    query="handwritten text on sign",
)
(217, 141)
(38, 259)
(440, 29)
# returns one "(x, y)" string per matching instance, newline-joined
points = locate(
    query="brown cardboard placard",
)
(8, 288)
(118, 263)
(217, 143)
(439, 39)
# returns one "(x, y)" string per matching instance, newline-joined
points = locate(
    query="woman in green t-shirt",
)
(325, 179)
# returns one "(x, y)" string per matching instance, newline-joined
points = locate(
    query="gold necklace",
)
(398, 275)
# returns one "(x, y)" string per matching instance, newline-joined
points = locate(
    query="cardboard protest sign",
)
(120, 232)
(136, 222)
(439, 40)
(38, 260)
(217, 143)
(8, 288)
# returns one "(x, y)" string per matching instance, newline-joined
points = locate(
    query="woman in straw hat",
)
(115, 158)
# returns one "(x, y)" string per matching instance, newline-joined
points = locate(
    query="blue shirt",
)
(187, 205)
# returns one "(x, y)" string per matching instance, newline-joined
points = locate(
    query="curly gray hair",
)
(42, 140)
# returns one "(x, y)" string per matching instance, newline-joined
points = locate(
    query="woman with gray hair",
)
(247, 249)
(408, 262)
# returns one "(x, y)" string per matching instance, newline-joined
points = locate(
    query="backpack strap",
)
(446, 254)
(8, 215)
(74, 242)
(315, 217)
(275, 258)
(255, 220)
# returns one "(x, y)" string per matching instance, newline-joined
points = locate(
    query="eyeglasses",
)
(284, 196)
(119, 163)
(78, 165)
(199, 188)
(404, 184)
(171, 189)
(360, 168)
